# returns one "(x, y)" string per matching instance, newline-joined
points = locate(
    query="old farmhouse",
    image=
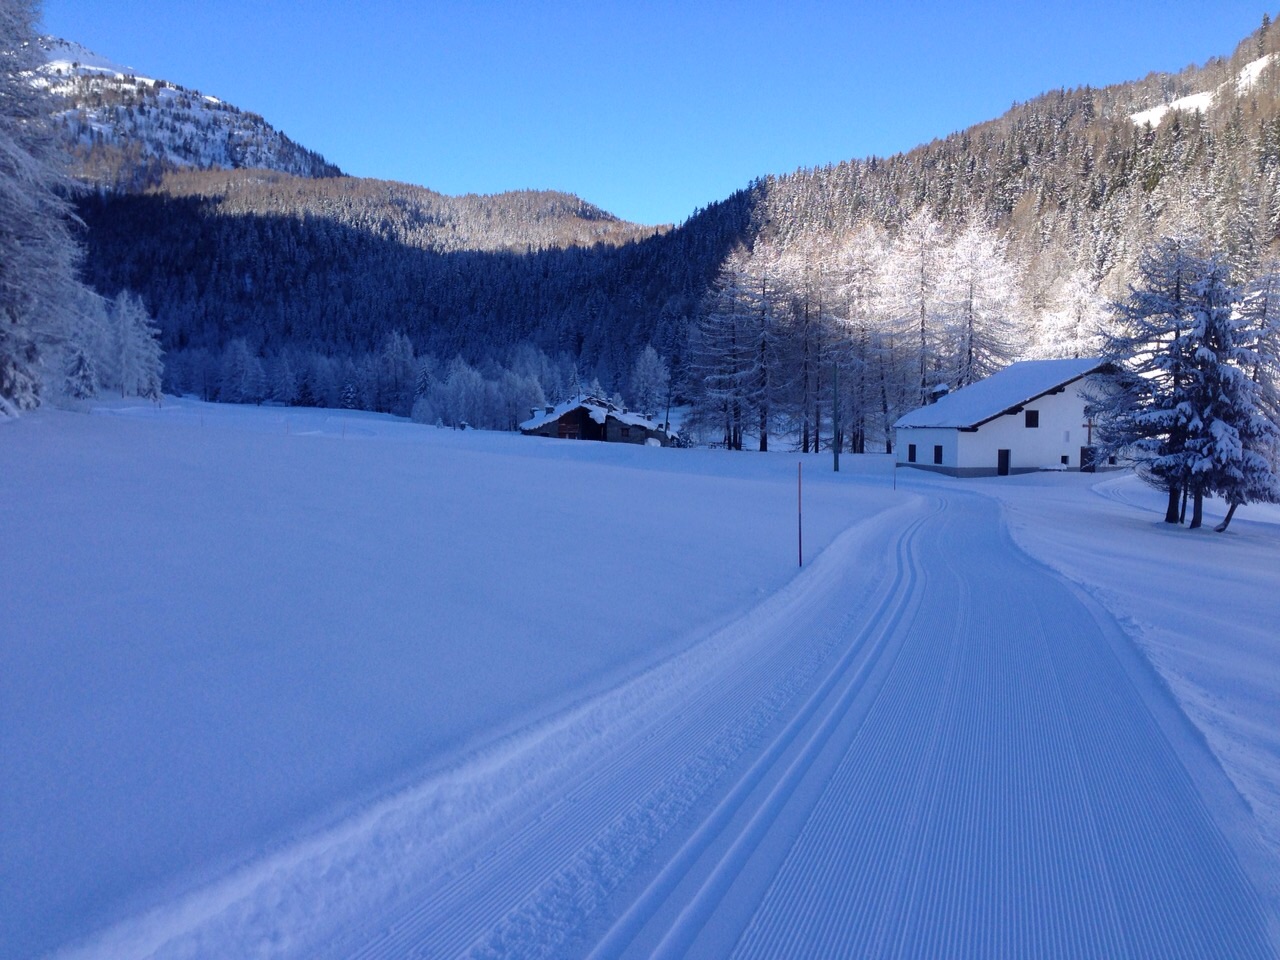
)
(1029, 416)
(589, 418)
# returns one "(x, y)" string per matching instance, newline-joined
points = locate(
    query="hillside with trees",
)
(867, 285)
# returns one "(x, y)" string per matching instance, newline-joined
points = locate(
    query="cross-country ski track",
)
(926, 745)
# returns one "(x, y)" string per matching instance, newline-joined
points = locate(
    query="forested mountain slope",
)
(1049, 206)
(1081, 177)
(335, 266)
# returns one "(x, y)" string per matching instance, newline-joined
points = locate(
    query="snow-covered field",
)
(309, 683)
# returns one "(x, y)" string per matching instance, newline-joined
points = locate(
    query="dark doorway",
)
(1088, 460)
(1002, 463)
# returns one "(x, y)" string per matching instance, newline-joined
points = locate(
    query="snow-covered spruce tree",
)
(242, 379)
(38, 256)
(135, 348)
(1194, 384)
(81, 381)
(1140, 407)
(649, 381)
(1219, 404)
(1238, 365)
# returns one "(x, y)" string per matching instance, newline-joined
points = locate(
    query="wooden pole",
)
(800, 513)
(835, 414)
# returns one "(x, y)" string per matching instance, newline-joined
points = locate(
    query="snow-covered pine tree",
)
(350, 399)
(649, 381)
(38, 256)
(81, 381)
(1239, 360)
(1219, 408)
(242, 378)
(1140, 408)
(135, 348)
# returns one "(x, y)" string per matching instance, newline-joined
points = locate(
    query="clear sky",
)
(647, 109)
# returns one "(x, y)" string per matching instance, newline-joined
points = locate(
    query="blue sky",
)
(649, 110)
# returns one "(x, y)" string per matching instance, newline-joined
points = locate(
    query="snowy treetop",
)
(1015, 385)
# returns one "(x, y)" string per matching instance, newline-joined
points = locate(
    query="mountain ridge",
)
(1068, 179)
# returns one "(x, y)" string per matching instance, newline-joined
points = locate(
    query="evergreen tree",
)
(649, 381)
(1191, 398)
(1240, 363)
(38, 257)
(1142, 410)
(350, 396)
(135, 348)
(242, 379)
(81, 381)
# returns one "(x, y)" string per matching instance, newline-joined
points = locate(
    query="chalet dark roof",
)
(1016, 385)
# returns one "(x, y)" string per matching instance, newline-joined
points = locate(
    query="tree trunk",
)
(1197, 510)
(1171, 512)
(1231, 510)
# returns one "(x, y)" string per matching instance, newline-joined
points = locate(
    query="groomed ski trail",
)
(927, 745)
(1009, 780)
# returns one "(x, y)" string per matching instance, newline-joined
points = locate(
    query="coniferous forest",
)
(845, 294)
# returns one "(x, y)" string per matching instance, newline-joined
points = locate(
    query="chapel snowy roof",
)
(599, 411)
(1001, 393)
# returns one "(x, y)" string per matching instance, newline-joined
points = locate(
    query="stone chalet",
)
(590, 418)
(1029, 416)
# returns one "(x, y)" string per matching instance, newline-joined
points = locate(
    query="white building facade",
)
(1029, 416)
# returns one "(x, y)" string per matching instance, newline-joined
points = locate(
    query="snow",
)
(999, 393)
(598, 410)
(1204, 101)
(1203, 606)
(1195, 103)
(1251, 72)
(224, 621)
(66, 56)
(305, 683)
